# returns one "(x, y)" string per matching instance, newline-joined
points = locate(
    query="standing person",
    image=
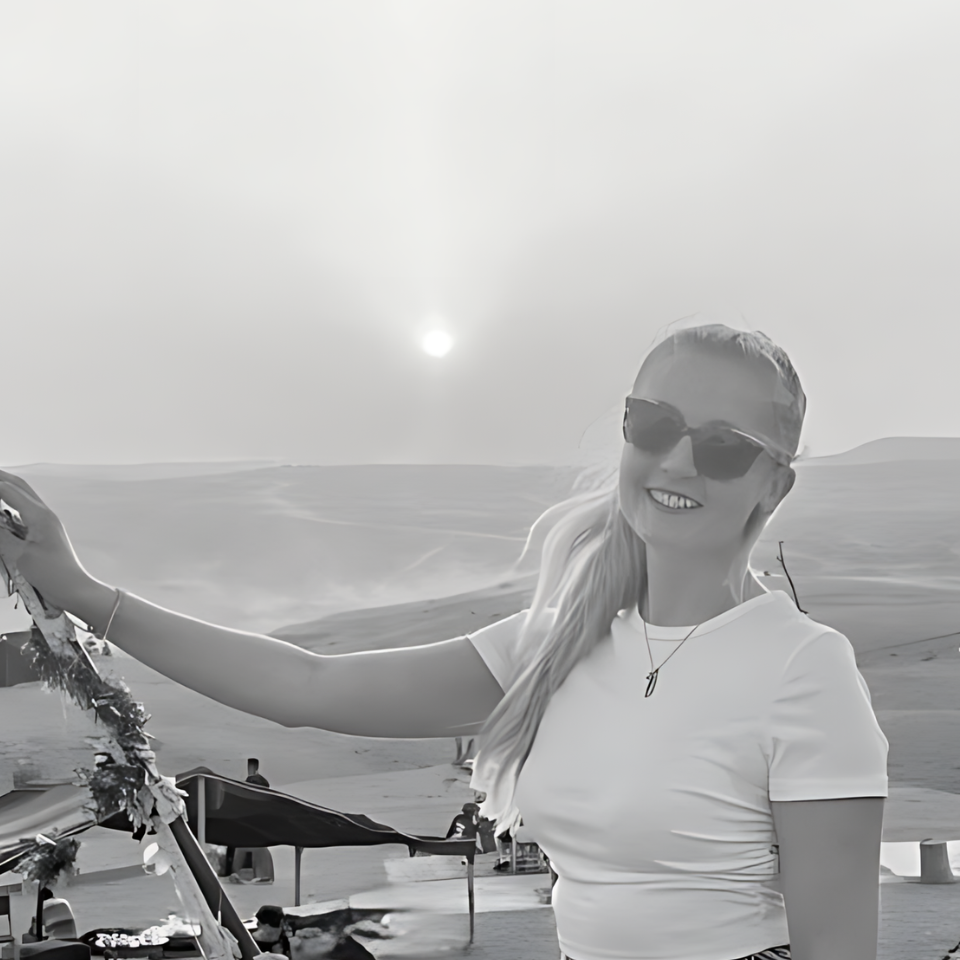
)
(749, 813)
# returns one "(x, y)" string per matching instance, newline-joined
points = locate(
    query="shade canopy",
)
(240, 814)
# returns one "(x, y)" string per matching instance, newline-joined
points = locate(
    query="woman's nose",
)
(679, 461)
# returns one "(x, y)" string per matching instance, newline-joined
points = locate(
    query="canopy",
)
(240, 814)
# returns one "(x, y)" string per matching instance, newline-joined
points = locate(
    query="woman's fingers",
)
(22, 500)
(18, 509)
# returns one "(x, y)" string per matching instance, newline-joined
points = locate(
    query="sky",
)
(226, 226)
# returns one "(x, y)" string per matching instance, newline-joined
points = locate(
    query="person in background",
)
(464, 825)
(254, 775)
(269, 935)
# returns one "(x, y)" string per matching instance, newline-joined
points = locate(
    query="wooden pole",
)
(58, 634)
(201, 810)
(297, 854)
(209, 885)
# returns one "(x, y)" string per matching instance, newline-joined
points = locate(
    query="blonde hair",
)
(594, 565)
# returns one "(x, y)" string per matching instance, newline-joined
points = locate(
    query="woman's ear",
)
(781, 484)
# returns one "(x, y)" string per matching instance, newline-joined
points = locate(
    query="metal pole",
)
(209, 885)
(297, 853)
(39, 918)
(201, 810)
(470, 900)
(513, 854)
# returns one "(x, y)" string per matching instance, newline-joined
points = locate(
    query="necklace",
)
(654, 671)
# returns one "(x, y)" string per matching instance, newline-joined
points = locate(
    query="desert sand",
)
(340, 559)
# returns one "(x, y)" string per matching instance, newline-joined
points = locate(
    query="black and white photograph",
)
(479, 480)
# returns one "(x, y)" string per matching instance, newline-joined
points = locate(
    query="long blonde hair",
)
(594, 565)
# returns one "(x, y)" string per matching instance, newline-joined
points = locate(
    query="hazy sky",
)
(226, 226)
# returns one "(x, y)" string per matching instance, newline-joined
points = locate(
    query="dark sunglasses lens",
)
(724, 455)
(650, 427)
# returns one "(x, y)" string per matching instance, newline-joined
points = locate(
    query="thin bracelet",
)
(113, 613)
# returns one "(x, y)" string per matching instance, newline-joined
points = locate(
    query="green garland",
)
(115, 783)
(119, 780)
(125, 777)
(48, 859)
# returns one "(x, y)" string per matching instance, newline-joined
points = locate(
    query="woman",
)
(661, 800)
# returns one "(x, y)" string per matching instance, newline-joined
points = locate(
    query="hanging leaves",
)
(48, 859)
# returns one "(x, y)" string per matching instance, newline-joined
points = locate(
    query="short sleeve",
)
(825, 742)
(499, 646)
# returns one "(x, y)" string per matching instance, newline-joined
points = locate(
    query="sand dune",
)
(874, 549)
(260, 548)
(138, 471)
(893, 448)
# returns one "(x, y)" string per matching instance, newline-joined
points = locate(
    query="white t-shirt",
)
(655, 811)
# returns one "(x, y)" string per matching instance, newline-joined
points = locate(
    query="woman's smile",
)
(674, 502)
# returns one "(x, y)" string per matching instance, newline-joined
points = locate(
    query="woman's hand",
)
(33, 538)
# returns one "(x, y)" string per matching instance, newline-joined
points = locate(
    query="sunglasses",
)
(720, 452)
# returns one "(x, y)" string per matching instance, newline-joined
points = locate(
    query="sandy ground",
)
(872, 548)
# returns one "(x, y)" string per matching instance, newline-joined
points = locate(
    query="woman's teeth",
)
(673, 500)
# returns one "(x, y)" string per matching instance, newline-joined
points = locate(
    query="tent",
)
(235, 813)
(223, 811)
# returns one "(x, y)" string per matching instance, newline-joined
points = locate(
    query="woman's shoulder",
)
(799, 643)
(779, 608)
(776, 625)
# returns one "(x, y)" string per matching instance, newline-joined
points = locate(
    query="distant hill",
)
(139, 471)
(409, 624)
(254, 546)
(891, 449)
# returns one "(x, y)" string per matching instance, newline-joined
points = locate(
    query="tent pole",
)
(201, 810)
(209, 885)
(297, 854)
(470, 899)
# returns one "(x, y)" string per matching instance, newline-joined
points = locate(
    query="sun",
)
(437, 343)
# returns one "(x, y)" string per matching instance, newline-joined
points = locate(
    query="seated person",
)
(269, 935)
(465, 825)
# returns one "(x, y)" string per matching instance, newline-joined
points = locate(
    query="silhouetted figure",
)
(465, 825)
(269, 935)
(253, 776)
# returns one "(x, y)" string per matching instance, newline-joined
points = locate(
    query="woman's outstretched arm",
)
(436, 690)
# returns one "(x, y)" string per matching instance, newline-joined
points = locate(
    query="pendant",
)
(651, 681)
